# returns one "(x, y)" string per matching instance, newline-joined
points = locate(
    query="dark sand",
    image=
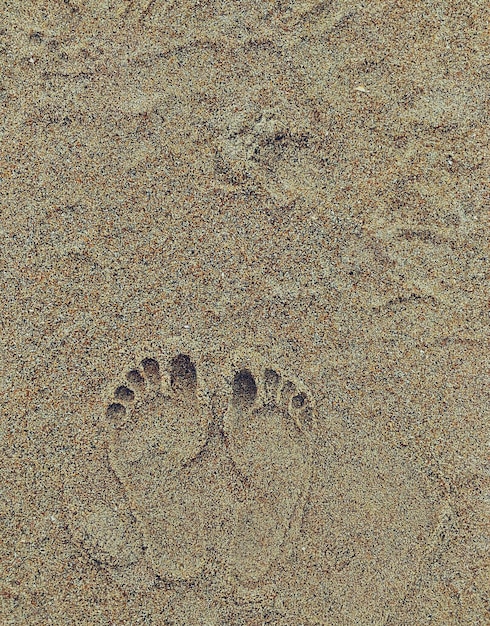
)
(244, 313)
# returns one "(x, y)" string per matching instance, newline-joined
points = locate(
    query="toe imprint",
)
(244, 389)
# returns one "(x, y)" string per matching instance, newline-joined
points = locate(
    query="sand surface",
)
(244, 313)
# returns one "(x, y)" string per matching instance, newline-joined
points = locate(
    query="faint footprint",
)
(269, 148)
(267, 431)
(158, 424)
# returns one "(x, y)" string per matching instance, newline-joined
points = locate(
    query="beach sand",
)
(244, 313)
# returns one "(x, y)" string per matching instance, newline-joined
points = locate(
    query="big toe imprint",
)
(267, 430)
(159, 423)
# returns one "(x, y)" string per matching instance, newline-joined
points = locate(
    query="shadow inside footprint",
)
(244, 389)
(183, 375)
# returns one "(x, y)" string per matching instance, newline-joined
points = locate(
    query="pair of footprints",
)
(204, 489)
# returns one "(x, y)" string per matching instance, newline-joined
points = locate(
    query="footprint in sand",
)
(227, 493)
(267, 432)
(159, 425)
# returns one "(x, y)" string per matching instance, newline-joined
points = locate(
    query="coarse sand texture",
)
(244, 313)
